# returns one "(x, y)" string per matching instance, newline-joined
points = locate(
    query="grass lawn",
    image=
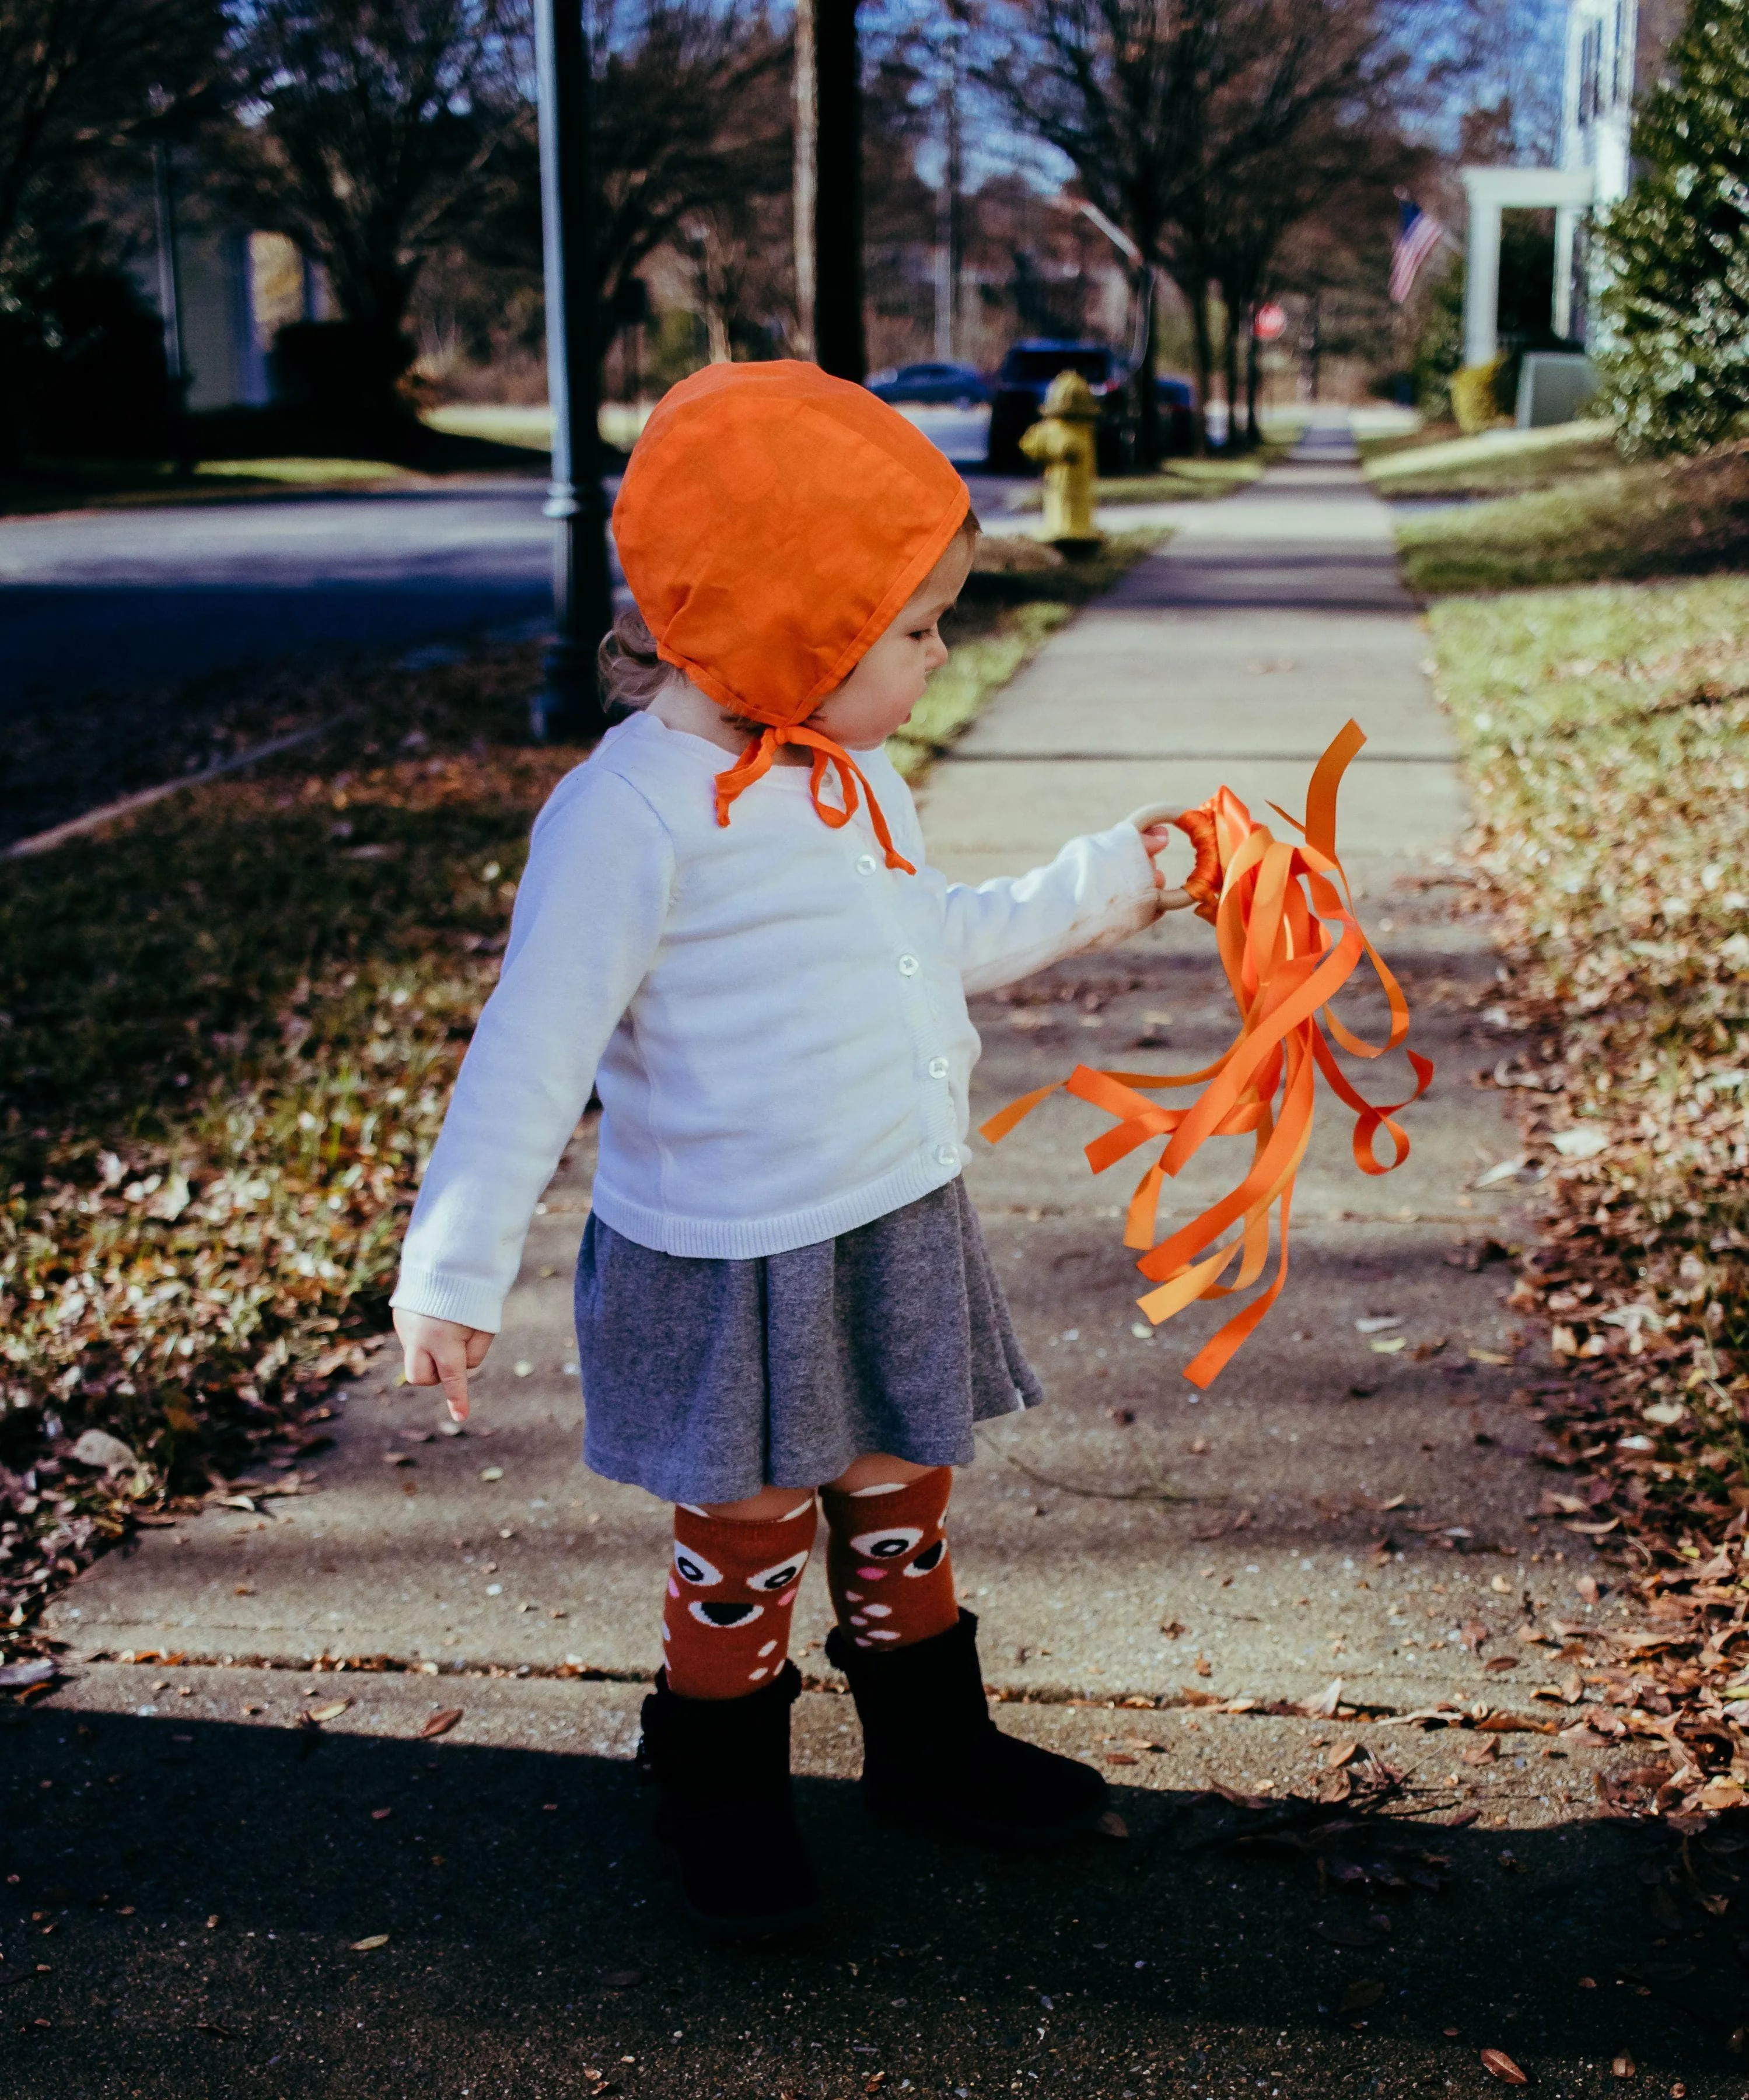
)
(1621, 521)
(1491, 463)
(1607, 734)
(231, 1025)
(59, 485)
(1178, 481)
(621, 423)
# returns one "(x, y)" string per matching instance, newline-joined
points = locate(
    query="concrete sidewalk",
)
(1233, 656)
(1333, 1509)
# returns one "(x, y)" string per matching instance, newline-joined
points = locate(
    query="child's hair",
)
(632, 673)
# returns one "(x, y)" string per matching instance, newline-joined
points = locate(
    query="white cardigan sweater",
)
(775, 1020)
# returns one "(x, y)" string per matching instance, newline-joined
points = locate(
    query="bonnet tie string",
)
(758, 759)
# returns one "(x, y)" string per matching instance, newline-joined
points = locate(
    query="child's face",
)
(878, 696)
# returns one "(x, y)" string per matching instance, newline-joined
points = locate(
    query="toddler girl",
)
(728, 926)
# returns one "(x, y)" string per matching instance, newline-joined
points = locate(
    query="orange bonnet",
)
(772, 522)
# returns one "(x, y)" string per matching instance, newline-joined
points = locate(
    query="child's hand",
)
(442, 1353)
(1155, 825)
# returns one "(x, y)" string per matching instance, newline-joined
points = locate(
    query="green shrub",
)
(1673, 339)
(1439, 352)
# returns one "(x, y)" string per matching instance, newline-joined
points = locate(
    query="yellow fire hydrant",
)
(1065, 441)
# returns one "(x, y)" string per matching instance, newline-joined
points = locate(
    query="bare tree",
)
(80, 77)
(1310, 123)
(370, 127)
(1204, 128)
(1124, 89)
(691, 137)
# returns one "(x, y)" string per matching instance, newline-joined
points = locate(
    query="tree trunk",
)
(1148, 399)
(1230, 370)
(840, 344)
(1315, 349)
(1253, 434)
(1202, 343)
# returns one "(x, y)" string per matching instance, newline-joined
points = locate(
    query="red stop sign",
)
(1268, 323)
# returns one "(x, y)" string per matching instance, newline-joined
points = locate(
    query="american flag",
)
(1418, 235)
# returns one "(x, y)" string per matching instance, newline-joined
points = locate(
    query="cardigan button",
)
(866, 864)
(908, 966)
(947, 1154)
(938, 1068)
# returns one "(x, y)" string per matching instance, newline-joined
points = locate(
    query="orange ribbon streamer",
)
(1288, 942)
(758, 759)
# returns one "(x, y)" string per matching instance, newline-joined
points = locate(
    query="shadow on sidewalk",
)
(531, 1944)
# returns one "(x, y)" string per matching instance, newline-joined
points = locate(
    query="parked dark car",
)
(1029, 368)
(1177, 401)
(944, 386)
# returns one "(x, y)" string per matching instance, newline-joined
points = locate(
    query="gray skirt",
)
(705, 1380)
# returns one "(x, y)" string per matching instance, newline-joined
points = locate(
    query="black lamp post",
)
(568, 709)
(839, 343)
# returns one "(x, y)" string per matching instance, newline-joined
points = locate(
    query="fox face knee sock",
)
(887, 1562)
(730, 1596)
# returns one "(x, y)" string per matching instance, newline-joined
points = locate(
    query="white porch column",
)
(1566, 228)
(1482, 282)
(1491, 191)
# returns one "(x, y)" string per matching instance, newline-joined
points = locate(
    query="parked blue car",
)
(937, 385)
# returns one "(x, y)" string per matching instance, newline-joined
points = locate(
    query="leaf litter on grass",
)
(227, 1051)
(1606, 730)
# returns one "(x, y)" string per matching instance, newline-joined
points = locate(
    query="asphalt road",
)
(106, 601)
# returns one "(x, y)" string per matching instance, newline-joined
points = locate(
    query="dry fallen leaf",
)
(1111, 1824)
(1121, 1757)
(331, 1711)
(1363, 1992)
(373, 1940)
(1488, 1356)
(440, 1723)
(1498, 2064)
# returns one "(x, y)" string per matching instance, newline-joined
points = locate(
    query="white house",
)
(1613, 46)
(230, 292)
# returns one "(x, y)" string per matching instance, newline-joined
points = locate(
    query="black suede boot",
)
(933, 1757)
(723, 1767)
